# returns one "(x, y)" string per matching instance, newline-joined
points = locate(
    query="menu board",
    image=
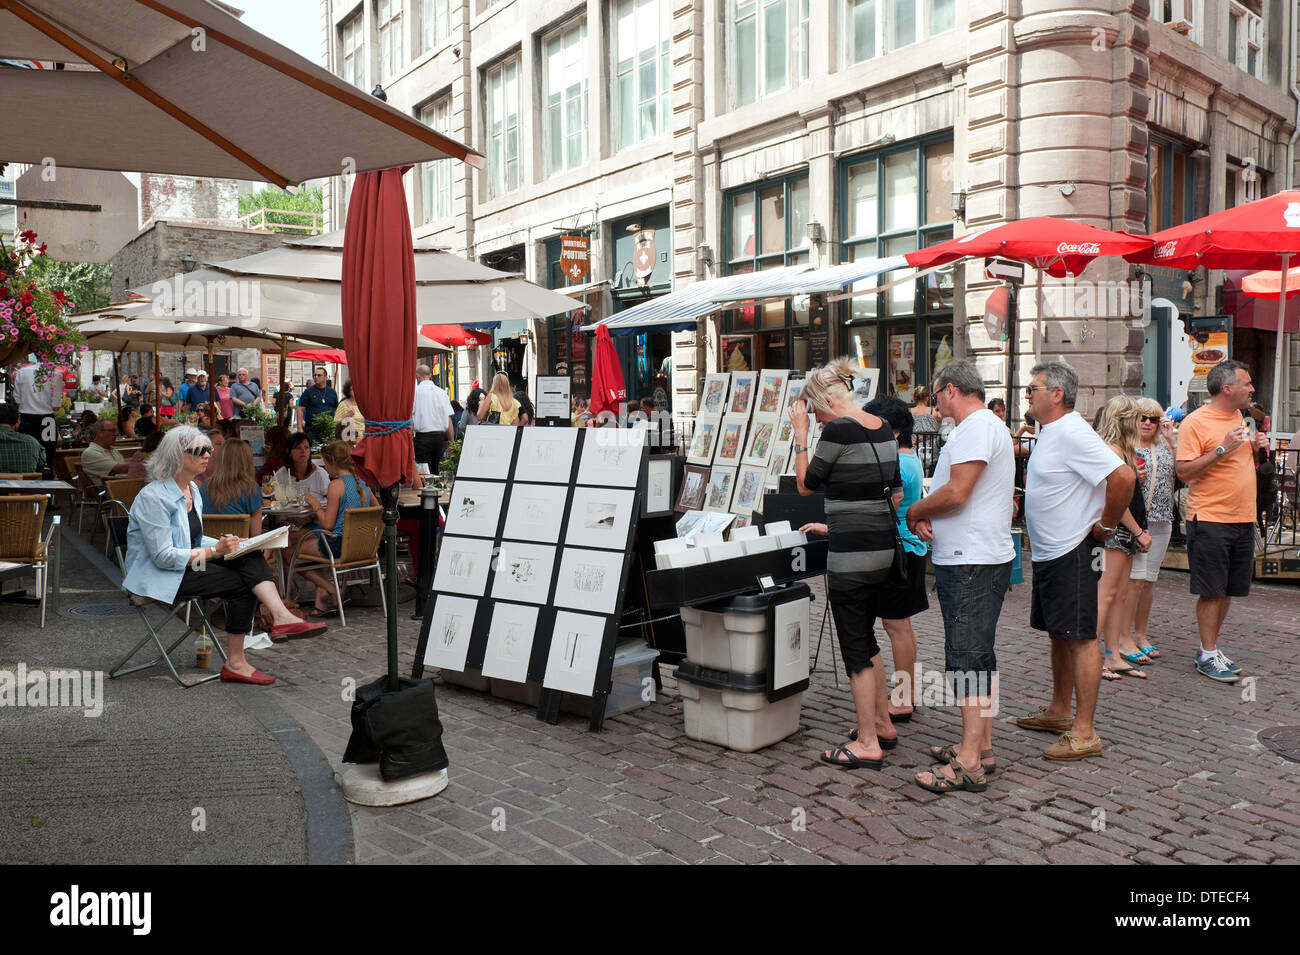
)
(902, 365)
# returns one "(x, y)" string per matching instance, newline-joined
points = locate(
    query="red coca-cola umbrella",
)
(454, 335)
(378, 305)
(607, 387)
(1264, 234)
(333, 356)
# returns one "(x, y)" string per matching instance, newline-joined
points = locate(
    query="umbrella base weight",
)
(364, 786)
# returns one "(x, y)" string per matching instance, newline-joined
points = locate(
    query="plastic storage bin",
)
(732, 635)
(731, 709)
(633, 665)
(470, 679)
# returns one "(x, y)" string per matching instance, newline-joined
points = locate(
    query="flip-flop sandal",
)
(946, 754)
(1132, 671)
(1108, 674)
(965, 780)
(845, 758)
(317, 614)
(1137, 659)
(890, 743)
(1151, 653)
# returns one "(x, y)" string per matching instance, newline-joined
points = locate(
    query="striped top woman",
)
(856, 464)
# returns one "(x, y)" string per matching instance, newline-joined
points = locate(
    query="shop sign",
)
(575, 256)
(643, 254)
(819, 342)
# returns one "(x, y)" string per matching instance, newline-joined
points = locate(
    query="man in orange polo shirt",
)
(1216, 460)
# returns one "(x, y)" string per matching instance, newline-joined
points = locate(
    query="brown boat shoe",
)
(1070, 746)
(1039, 720)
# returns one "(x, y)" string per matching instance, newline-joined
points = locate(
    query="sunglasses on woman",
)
(1151, 418)
(199, 452)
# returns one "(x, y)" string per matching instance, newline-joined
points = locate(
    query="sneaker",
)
(1070, 746)
(1228, 664)
(1215, 666)
(1039, 720)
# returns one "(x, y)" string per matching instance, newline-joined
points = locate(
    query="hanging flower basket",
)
(33, 316)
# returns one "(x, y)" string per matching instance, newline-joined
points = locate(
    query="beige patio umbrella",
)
(226, 101)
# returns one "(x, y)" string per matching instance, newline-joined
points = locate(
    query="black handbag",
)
(898, 575)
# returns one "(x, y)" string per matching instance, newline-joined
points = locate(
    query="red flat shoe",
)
(296, 631)
(257, 677)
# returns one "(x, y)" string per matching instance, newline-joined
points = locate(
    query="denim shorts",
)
(970, 598)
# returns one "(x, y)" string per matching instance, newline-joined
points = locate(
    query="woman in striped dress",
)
(856, 465)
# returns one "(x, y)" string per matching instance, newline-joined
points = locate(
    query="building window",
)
(1244, 182)
(1245, 33)
(501, 117)
(564, 92)
(389, 13)
(766, 227)
(896, 201)
(435, 177)
(893, 23)
(434, 26)
(769, 47)
(354, 53)
(1171, 179)
(641, 38)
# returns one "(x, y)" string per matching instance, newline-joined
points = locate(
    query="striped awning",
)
(830, 279)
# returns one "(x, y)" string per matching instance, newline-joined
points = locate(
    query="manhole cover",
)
(1283, 740)
(102, 610)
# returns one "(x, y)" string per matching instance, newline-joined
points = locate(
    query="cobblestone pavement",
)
(1183, 778)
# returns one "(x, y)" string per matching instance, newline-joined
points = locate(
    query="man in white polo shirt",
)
(37, 402)
(432, 419)
(1076, 488)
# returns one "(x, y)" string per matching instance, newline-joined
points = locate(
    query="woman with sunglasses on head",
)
(169, 558)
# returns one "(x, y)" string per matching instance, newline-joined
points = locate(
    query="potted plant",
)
(33, 316)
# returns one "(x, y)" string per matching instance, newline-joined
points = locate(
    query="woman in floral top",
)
(1156, 444)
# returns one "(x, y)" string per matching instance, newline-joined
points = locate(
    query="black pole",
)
(1013, 316)
(389, 497)
(428, 543)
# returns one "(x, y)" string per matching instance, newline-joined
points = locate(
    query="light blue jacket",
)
(158, 540)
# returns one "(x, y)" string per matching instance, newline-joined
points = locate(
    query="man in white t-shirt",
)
(1076, 488)
(37, 402)
(432, 417)
(967, 514)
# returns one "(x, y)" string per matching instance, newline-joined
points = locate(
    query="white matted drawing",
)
(718, 493)
(659, 486)
(713, 397)
(762, 438)
(790, 659)
(589, 579)
(487, 453)
(575, 653)
(749, 490)
(450, 630)
(599, 518)
(475, 508)
(535, 512)
(510, 641)
(524, 572)
(741, 401)
(463, 565)
(688, 525)
(546, 454)
(771, 391)
(611, 457)
(703, 441)
(731, 441)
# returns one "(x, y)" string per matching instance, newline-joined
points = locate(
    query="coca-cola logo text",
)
(1079, 248)
(1166, 249)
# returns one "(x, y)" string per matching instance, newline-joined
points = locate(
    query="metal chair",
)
(120, 494)
(62, 464)
(88, 494)
(363, 528)
(21, 519)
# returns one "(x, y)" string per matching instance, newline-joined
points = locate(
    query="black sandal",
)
(845, 758)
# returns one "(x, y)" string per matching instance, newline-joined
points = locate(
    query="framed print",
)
(749, 490)
(784, 430)
(535, 512)
(611, 457)
(737, 354)
(702, 444)
(510, 641)
(762, 436)
(715, 523)
(475, 508)
(487, 453)
(599, 518)
(731, 441)
(793, 389)
(771, 391)
(524, 572)
(718, 493)
(463, 564)
(790, 644)
(590, 580)
(777, 467)
(865, 381)
(450, 630)
(688, 525)
(576, 644)
(741, 401)
(742, 520)
(663, 474)
(691, 496)
(713, 397)
(546, 454)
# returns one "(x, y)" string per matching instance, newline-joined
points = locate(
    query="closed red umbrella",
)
(378, 305)
(607, 388)
(454, 335)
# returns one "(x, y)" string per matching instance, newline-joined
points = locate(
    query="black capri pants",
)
(232, 580)
(853, 607)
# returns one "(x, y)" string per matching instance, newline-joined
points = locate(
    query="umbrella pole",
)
(1276, 409)
(388, 496)
(284, 361)
(1038, 322)
(157, 373)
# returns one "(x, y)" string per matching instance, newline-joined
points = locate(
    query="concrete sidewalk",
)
(215, 774)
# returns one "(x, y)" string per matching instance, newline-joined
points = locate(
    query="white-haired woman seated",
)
(168, 558)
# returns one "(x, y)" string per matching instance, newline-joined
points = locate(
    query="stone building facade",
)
(749, 134)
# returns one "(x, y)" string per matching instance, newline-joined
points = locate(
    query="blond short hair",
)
(823, 382)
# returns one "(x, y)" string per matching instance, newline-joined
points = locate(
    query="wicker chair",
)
(214, 525)
(25, 476)
(63, 461)
(21, 519)
(363, 529)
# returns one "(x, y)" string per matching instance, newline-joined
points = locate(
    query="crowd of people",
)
(1099, 511)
